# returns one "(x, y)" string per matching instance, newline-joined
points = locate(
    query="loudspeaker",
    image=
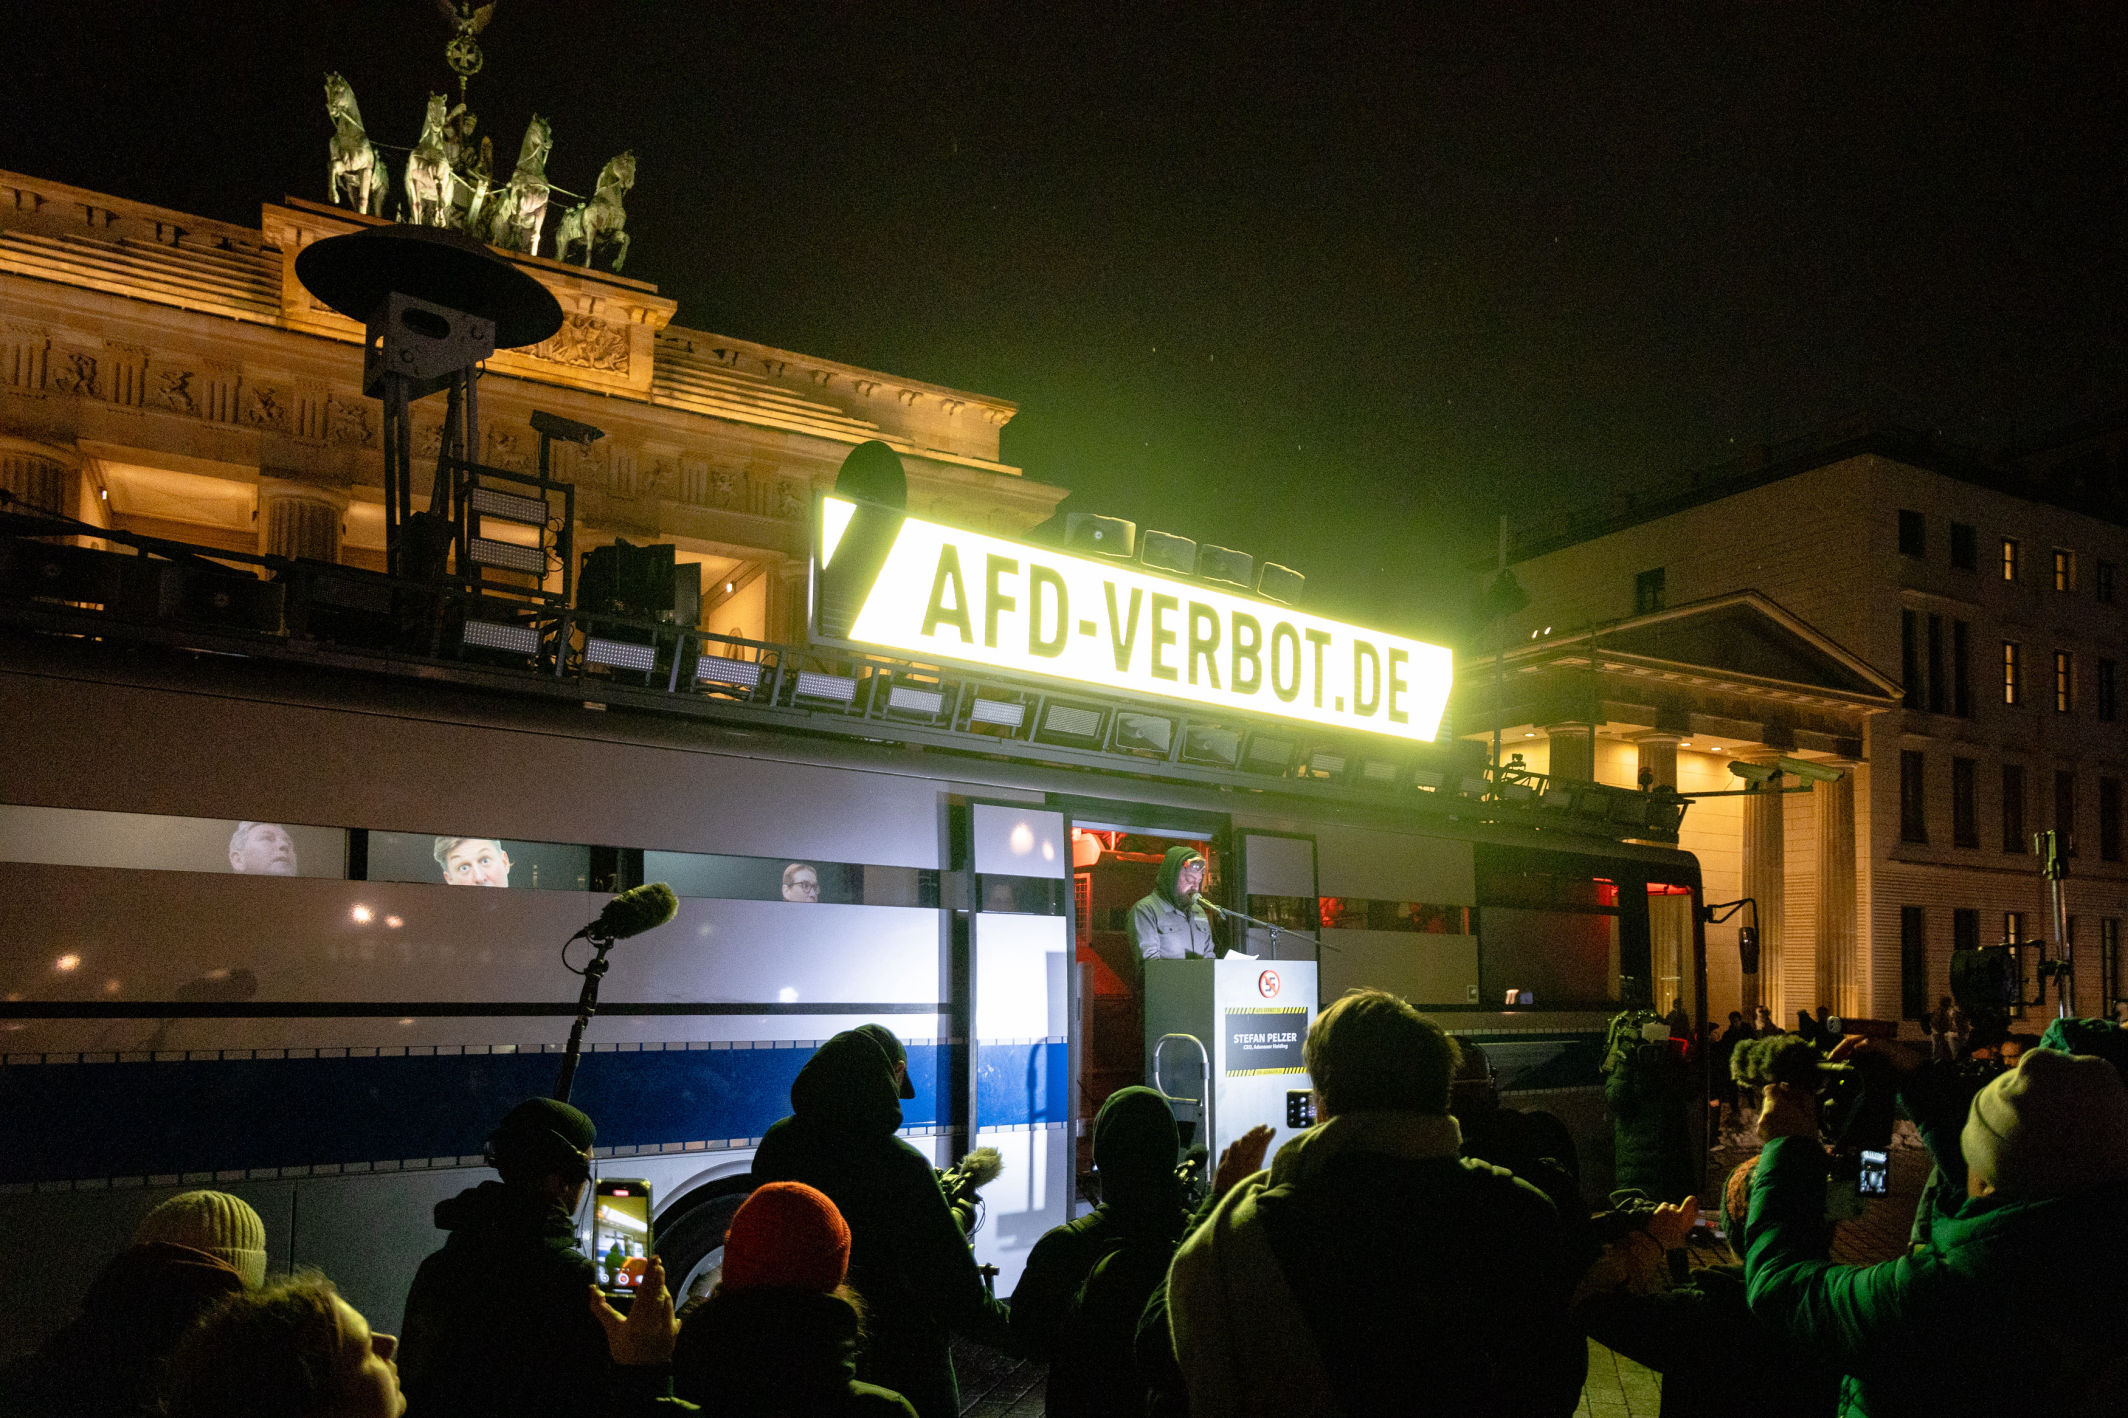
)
(625, 579)
(1225, 565)
(224, 598)
(424, 342)
(1164, 551)
(1103, 536)
(46, 571)
(1279, 583)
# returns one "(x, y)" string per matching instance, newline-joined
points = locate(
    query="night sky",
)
(1334, 285)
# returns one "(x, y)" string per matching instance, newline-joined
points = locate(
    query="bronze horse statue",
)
(603, 218)
(520, 207)
(357, 177)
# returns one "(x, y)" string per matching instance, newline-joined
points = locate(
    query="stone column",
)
(1839, 964)
(1573, 751)
(1764, 853)
(1658, 757)
(37, 474)
(785, 620)
(300, 519)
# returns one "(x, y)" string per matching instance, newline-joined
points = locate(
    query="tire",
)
(692, 1243)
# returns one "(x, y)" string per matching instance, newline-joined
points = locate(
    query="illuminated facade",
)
(168, 375)
(1945, 631)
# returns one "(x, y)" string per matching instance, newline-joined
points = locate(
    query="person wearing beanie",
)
(908, 1257)
(495, 1324)
(188, 1254)
(1086, 1283)
(780, 1335)
(2031, 1189)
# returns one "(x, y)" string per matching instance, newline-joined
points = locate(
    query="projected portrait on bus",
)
(801, 882)
(262, 849)
(473, 861)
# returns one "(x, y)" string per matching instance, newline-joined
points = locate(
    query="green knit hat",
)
(222, 1225)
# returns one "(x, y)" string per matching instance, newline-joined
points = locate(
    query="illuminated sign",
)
(944, 594)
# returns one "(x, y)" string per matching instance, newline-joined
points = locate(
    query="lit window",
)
(2009, 672)
(2009, 558)
(2064, 570)
(2064, 680)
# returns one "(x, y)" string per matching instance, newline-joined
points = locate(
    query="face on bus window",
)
(801, 883)
(477, 861)
(264, 849)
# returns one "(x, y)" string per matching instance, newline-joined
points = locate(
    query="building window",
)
(1961, 669)
(1913, 534)
(1913, 804)
(1910, 658)
(2013, 925)
(1939, 695)
(2064, 570)
(2065, 811)
(2010, 677)
(2102, 581)
(2064, 680)
(2109, 962)
(2109, 819)
(2108, 692)
(1965, 547)
(2013, 808)
(1965, 807)
(2009, 558)
(1648, 591)
(1913, 963)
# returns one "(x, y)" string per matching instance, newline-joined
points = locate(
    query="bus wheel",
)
(692, 1243)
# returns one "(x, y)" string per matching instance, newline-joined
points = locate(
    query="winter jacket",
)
(1716, 1361)
(497, 1322)
(908, 1259)
(1650, 1098)
(1086, 1283)
(1161, 927)
(1373, 1271)
(107, 1362)
(2001, 1311)
(777, 1354)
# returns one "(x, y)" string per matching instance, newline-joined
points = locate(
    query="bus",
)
(237, 948)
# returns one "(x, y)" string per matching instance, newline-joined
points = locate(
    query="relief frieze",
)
(586, 344)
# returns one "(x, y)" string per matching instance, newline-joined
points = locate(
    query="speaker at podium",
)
(1226, 1036)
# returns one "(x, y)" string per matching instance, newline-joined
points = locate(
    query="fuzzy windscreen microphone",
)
(1784, 1058)
(634, 911)
(978, 1169)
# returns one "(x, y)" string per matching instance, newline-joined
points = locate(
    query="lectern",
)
(1226, 1035)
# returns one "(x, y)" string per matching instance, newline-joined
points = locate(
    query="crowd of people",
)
(1421, 1248)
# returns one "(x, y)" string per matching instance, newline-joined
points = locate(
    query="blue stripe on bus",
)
(67, 1121)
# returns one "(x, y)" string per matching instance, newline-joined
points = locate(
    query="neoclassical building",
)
(165, 374)
(1941, 629)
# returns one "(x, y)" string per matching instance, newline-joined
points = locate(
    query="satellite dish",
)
(873, 473)
(355, 273)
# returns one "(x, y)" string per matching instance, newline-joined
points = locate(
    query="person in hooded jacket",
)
(908, 1257)
(188, 1254)
(1170, 923)
(1086, 1283)
(495, 1323)
(780, 1335)
(2000, 1309)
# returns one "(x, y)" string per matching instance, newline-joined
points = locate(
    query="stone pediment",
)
(1745, 636)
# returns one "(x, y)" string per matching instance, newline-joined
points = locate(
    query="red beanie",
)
(786, 1236)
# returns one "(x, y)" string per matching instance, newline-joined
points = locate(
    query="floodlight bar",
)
(734, 674)
(908, 699)
(1329, 765)
(1376, 770)
(1430, 779)
(1071, 721)
(487, 635)
(532, 511)
(1004, 713)
(834, 689)
(507, 555)
(1266, 754)
(619, 654)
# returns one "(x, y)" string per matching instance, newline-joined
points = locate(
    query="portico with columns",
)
(1672, 698)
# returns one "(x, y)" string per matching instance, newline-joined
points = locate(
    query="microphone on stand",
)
(632, 912)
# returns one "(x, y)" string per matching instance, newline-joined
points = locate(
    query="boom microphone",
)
(634, 911)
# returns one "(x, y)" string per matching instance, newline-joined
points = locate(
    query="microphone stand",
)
(1273, 927)
(586, 1005)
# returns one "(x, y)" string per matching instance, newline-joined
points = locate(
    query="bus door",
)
(1279, 886)
(1020, 952)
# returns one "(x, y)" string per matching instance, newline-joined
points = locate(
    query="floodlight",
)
(1809, 772)
(1756, 773)
(1145, 733)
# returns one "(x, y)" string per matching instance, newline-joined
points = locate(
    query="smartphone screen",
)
(1300, 1108)
(1875, 1178)
(620, 1233)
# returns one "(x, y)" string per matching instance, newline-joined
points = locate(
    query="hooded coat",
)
(1650, 1097)
(107, 1363)
(497, 1322)
(909, 1261)
(768, 1353)
(2000, 1310)
(1161, 927)
(1086, 1283)
(1370, 1270)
